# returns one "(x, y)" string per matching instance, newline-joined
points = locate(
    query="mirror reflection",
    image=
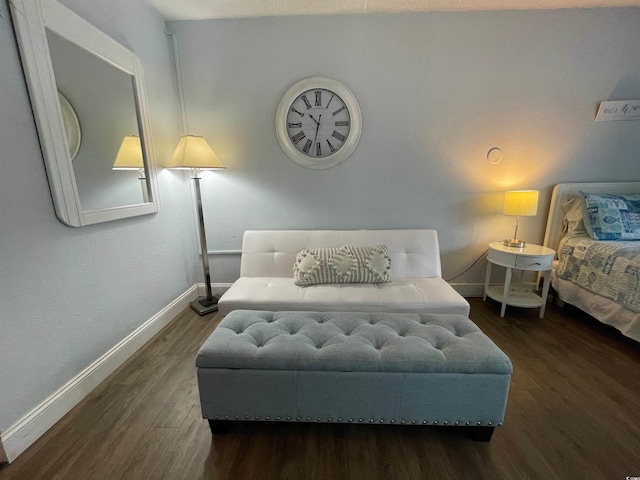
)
(103, 99)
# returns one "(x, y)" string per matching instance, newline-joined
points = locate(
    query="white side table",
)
(530, 258)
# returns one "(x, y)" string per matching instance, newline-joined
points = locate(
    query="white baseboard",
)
(33, 425)
(3, 456)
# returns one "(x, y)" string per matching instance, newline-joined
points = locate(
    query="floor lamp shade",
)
(195, 153)
(129, 156)
(519, 203)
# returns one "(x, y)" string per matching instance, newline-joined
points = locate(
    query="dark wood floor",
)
(573, 413)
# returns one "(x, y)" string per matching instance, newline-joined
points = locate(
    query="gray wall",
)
(437, 91)
(67, 295)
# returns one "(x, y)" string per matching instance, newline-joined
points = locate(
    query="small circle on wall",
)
(494, 156)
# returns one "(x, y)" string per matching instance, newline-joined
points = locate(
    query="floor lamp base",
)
(203, 306)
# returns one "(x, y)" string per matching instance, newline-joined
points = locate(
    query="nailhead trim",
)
(360, 420)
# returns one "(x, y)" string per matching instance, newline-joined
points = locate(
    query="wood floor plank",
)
(573, 412)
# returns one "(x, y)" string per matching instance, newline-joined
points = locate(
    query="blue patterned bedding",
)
(608, 268)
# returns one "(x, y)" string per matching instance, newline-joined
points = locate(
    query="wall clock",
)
(318, 122)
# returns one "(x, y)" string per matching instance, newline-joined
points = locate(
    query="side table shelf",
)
(496, 292)
(529, 258)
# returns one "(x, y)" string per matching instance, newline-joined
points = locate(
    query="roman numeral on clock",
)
(299, 113)
(318, 149)
(307, 146)
(342, 123)
(295, 125)
(306, 101)
(331, 147)
(318, 98)
(297, 137)
(338, 111)
(339, 136)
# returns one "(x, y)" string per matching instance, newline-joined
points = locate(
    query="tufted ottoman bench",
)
(383, 368)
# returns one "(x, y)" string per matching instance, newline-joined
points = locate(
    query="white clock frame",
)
(355, 114)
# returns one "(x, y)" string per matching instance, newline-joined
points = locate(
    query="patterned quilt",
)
(608, 268)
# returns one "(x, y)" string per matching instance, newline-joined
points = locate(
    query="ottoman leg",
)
(482, 434)
(219, 427)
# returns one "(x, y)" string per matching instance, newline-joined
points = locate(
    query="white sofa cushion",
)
(402, 295)
(272, 253)
(266, 274)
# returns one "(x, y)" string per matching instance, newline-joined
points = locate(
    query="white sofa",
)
(266, 274)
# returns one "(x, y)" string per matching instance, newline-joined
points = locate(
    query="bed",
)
(600, 277)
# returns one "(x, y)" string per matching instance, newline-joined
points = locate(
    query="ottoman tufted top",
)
(347, 341)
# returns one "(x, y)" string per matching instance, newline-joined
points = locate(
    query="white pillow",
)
(346, 264)
(573, 221)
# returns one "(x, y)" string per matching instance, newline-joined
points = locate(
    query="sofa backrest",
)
(272, 253)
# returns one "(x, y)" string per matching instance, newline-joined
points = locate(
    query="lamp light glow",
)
(519, 203)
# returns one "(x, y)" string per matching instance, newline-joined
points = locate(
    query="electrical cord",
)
(481, 257)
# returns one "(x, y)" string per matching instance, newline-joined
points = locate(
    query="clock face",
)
(318, 122)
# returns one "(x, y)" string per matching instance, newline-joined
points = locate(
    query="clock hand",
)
(317, 123)
(317, 127)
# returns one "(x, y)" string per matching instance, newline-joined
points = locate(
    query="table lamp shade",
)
(194, 152)
(129, 155)
(521, 203)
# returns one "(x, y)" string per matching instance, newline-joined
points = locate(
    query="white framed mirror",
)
(102, 82)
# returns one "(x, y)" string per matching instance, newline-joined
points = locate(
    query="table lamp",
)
(520, 203)
(194, 153)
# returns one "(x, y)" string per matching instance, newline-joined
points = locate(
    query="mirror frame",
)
(31, 18)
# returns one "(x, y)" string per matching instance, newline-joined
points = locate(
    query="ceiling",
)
(203, 9)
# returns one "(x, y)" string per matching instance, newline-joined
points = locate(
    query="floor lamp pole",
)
(209, 303)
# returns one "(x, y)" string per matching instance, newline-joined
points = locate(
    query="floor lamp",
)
(194, 153)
